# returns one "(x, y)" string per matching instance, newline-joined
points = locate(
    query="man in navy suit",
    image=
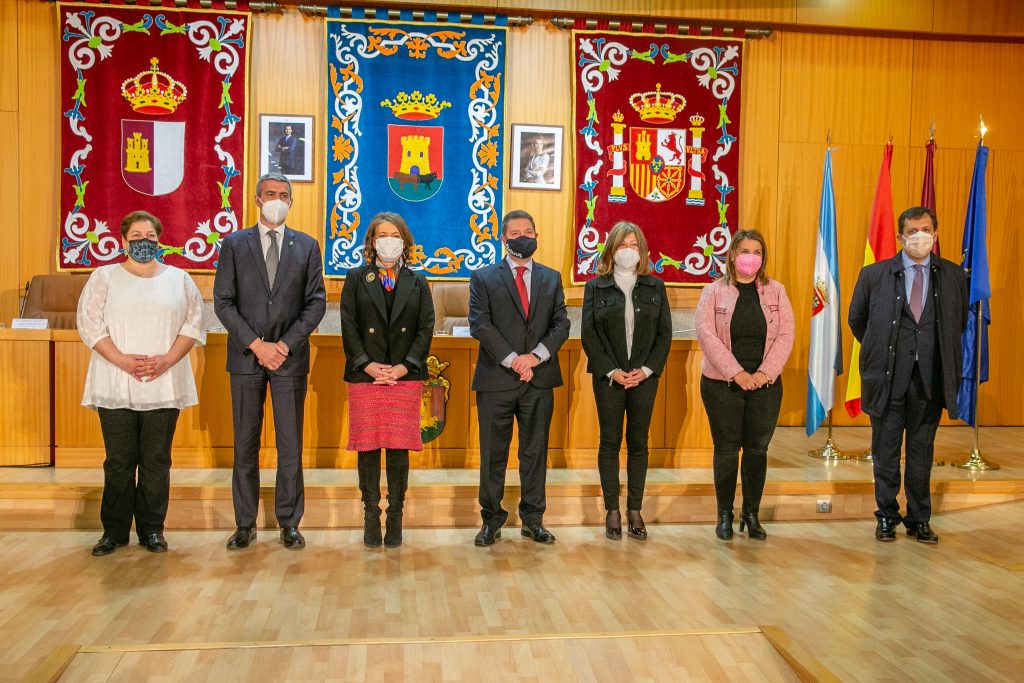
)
(269, 295)
(517, 312)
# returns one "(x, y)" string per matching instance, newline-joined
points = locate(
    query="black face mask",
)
(522, 246)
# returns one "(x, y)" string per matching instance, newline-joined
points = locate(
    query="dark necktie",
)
(524, 296)
(917, 293)
(273, 257)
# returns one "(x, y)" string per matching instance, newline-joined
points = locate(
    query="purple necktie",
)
(917, 293)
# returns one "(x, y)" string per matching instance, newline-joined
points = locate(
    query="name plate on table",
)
(460, 331)
(30, 324)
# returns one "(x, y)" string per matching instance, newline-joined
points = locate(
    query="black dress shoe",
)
(922, 532)
(613, 525)
(242, 537)
(538, 533)
(724, 528)
(487, 535)
(885, 530)
(105, 546)
(291, 538)
(154, 543)
(635, 527)
(754, 528)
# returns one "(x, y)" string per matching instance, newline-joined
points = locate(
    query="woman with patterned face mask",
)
(626, 333)
(745, 329)
(387, 323)
(140, 318)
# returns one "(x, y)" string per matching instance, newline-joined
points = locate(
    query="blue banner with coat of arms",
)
(415, 120)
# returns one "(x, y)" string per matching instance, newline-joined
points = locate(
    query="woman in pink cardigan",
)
(745, 330)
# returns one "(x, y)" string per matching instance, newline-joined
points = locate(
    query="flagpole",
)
(974, 461)
(829, 451)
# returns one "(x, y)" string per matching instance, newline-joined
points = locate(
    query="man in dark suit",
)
(288, 152)
(269, 295)
(517, 312)
(908, 313)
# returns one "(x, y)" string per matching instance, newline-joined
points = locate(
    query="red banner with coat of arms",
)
(657, 143)
(153, 105)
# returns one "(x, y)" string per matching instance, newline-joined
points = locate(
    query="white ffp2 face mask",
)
(275, 211)
(389, 248)
(627, 258)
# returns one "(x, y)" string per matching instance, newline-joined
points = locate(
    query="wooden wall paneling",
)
(574, 7)
(857, 86)
(210, 423)
(999, 401)
(954, 81)
(11, 284)
(9, 57)
(583, 433)
(777, 12)
(76, 426)
(906, 15)
(39, 168)
(687, 436)
(456, 430)
(759, 135)
(538, 90)
(24, 397)
(979, 17)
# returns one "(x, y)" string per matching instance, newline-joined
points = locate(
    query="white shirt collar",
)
(264, 229)
(513, 265)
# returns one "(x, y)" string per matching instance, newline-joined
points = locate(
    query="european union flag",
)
(975, 264)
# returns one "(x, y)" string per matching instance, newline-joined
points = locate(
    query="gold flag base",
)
(863, 456)
(828, 452)
(975, 462)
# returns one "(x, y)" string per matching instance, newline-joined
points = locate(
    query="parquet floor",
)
(439, 608)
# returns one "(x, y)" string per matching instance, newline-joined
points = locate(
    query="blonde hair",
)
(371, 234)
(619, 232)
(730, 261)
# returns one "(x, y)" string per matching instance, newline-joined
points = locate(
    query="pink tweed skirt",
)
(382, 416)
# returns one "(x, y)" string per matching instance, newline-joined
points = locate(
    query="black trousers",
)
(636, 405)
(918, 416)
(248, 395)
(740, 419)
(531, 408)
(136, 441)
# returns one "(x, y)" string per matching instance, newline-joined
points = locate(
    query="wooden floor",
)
(439, 608)
(48, 498)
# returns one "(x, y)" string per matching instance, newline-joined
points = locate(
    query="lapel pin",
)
(371, 276)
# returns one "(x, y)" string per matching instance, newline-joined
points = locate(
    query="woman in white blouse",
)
(140, 318)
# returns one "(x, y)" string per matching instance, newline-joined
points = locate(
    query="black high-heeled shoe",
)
(724, 528)
(754, 528)
(636, 530)
(613, 525)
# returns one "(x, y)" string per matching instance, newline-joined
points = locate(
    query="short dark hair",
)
(513, 215)
(135, 217)
(917, 212)
(273, 176)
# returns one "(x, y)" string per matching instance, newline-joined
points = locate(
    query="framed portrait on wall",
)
(536, 157)
(286, 146)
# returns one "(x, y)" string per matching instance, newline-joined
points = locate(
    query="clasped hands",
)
(524, 365)
(749, 382)
(629, 379)
(269, 354)
(144, 368)
(386, 374)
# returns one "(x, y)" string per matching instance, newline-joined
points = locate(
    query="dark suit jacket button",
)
(371, 330)
(403, 329)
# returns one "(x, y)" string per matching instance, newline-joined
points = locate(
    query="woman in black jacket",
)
(387, 321)
(626, 346)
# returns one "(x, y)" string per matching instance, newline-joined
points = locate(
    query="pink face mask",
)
(748, 264)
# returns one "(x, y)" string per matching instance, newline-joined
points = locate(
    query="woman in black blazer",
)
(387, 321)
(626, 346)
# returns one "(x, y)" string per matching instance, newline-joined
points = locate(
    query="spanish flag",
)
(881, 245)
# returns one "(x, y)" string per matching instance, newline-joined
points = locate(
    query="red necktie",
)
(524, 296)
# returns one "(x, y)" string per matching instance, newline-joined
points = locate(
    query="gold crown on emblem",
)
(153, 91)
(655, 106)
(617, 117)
(416, 107)
(697, 120)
